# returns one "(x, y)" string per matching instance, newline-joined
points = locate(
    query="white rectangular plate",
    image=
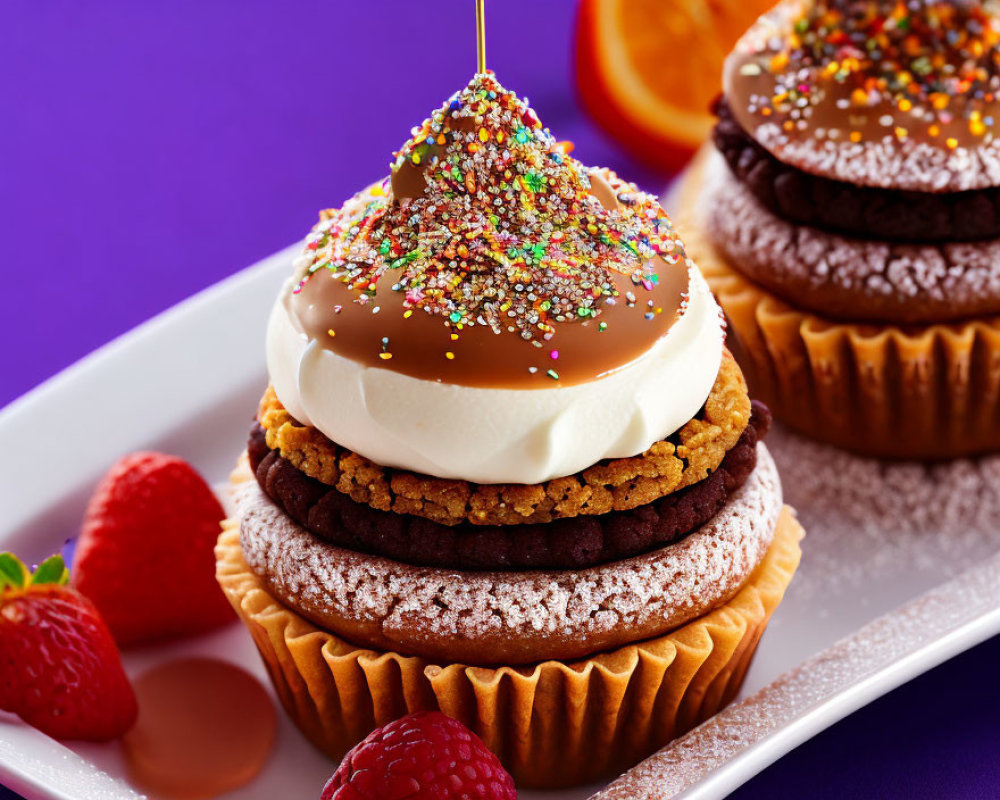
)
(188, 382)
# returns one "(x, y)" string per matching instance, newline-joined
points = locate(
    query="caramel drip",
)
(419, 344)
(205, 728)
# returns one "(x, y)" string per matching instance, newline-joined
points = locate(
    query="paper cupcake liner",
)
(554, 724)
(890, 391)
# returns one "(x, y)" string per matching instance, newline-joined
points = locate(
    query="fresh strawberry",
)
(425, 756)
(59, 668)
(146, 553)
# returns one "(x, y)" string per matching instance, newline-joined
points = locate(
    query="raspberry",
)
(425, 756)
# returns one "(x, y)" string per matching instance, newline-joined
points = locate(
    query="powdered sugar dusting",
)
(887, 163)
(666, 587)
(875, 530)
(903, 516)
(970, 601)
(929, 282)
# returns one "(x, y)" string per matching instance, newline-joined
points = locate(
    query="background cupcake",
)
(506, 468)
(847, 218)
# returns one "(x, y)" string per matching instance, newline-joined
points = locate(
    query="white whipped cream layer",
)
(488, 435)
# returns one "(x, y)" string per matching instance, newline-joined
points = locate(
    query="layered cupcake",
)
(506, 467)
(848, 218)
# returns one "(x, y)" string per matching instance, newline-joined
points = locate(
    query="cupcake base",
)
(553, 724)
(889, 391)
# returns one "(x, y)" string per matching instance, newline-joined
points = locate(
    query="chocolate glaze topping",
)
(491, 258)
(851, 71)
(480, 356)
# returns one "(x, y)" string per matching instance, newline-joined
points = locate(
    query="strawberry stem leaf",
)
(13, 572)
(51, 570)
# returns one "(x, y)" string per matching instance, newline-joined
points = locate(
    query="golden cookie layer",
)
(620, 484)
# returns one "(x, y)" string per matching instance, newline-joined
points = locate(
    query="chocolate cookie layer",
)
(503, 616)
(562, 544)
(885, 214)
(848, 278)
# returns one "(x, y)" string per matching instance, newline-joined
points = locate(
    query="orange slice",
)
(648, 70)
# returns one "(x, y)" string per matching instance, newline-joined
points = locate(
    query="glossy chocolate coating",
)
(418, 344)
(819, 103)
(491, 258)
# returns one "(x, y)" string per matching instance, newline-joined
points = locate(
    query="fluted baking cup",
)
(552, 724)
(891, 391)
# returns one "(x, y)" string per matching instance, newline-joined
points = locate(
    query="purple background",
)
(152, 148)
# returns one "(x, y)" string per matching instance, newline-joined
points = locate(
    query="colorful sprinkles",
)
(505, 233)
(921, 65)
